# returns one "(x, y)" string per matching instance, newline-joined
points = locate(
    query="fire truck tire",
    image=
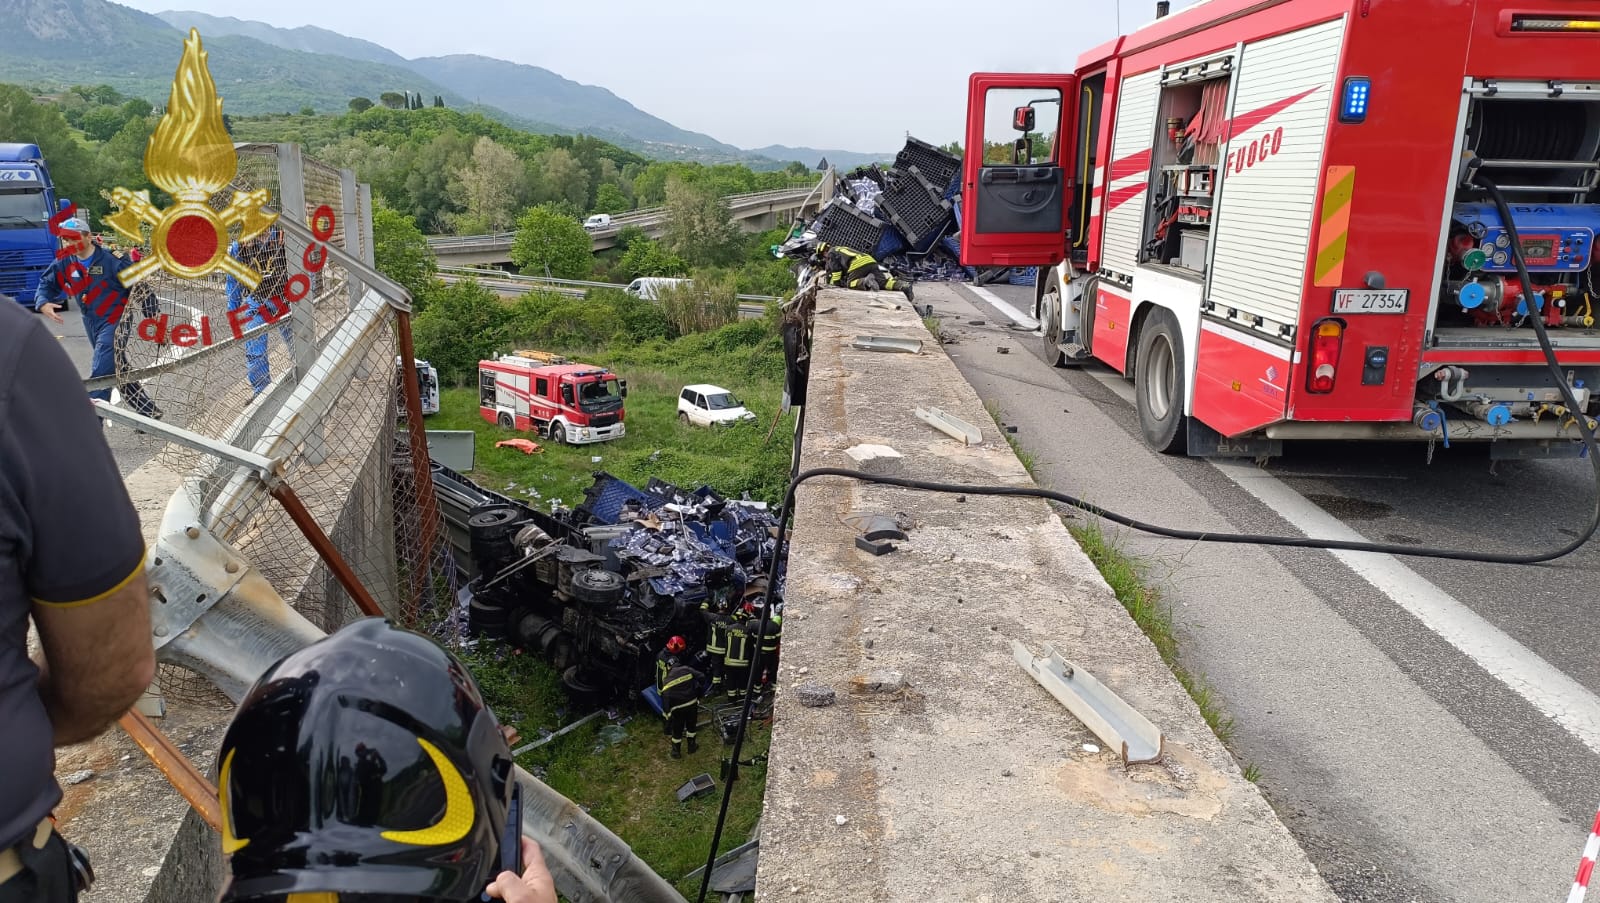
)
(558, 433)
(597, 586)
(506, 421)
(1158, 383)
(1050, 318)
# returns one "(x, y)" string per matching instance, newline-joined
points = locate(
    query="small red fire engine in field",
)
(568, 403)
(1271, 216)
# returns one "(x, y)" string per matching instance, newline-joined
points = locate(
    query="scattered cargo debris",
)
(815, 696)
(596, 590)
(951, 425)
(699, 785)
(871, 547)
(876, 527)
(1102, 711)
(526, 446)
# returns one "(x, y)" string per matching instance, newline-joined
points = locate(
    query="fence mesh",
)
(317, 388)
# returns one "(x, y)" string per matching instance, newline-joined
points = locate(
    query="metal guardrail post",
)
(292, 203)
(355, 239)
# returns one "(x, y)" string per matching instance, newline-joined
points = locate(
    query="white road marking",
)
(1543, 685)
(993, 300)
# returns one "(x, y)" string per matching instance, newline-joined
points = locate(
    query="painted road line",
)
(1544, 686)
(995, 301)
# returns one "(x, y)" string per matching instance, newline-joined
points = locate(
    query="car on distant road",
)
(650, 287)
(597, 222)
(708, 405)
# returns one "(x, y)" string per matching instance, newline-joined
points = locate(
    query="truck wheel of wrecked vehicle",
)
(597, 587)
(580, 690)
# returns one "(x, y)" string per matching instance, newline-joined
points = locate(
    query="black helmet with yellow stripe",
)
(364, 767)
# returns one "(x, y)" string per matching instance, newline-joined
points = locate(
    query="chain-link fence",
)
(304, 368)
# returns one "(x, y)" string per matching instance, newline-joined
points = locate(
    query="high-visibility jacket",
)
(680, 686)
(665, 662)
(716, 631)
(738, 655)
(772, 635)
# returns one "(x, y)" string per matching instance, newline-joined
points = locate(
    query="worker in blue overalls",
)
(88, 273)
(266, 255)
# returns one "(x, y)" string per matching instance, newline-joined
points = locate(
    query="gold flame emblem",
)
(191, 157)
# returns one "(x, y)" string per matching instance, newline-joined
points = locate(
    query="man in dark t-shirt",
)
(72, 560)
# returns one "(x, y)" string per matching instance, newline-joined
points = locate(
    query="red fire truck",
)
(1270, 215)
(568, 403)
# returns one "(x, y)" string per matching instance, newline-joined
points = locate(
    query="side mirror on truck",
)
(1022, 119)
(623, 385)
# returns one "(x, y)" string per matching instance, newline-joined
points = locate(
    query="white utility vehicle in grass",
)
(707, 405)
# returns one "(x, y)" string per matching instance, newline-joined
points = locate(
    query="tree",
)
(101, 123)
(647, 258)
(707, 303)
(137, 108)
(360, 104)
(308, 110)
(797, 169)
(438, 101)
(610, 199)
(557, 176)
(462, 324)
(699, 227)
(392, 99)
(401, 252)
(490, 188)
(551, 244)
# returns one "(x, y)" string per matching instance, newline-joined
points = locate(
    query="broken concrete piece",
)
(78, 777)
(876, 459)
(879, 682)
(815, 696)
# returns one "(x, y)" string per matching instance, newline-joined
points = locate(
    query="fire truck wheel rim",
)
(1050, 313)
(558, 434)
(505, 421)
(1162, 371)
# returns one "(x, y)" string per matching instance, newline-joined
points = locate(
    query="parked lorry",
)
(27, 201)
(565, 402)
(1272, 217)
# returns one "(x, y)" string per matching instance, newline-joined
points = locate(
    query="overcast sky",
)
(823, 73)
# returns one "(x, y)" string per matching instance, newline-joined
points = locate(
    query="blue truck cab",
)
(27, 201)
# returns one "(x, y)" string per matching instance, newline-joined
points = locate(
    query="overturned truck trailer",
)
(598, 589)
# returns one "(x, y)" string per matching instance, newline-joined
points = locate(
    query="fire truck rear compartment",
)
(1545, 156)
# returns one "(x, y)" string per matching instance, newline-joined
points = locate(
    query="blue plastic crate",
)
(604, 500)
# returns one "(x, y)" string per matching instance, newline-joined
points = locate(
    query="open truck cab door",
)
(1015, 192)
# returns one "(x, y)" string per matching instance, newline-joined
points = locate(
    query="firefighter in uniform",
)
(679, 686)
(736, 663)
(367, 767)
(770, 637)
(714, 611)
(850, 268)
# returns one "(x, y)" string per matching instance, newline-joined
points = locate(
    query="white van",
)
(650, 287)
(597, 222)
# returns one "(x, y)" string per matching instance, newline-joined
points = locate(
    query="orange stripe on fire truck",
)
(1334, 235)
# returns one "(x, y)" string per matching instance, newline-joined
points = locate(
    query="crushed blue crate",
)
(1023, 276)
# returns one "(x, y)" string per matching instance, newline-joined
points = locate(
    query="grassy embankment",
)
(624, 778)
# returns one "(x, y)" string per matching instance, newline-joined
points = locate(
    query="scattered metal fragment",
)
(815, 696)
(1002, 350)
(875, 548)
(950, 425)
(1105, 713)
(698, 785)
(566, 730)
(888, 344)
(876, 527)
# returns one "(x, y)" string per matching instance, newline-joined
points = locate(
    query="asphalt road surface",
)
(1430, 731)
(131, 449)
